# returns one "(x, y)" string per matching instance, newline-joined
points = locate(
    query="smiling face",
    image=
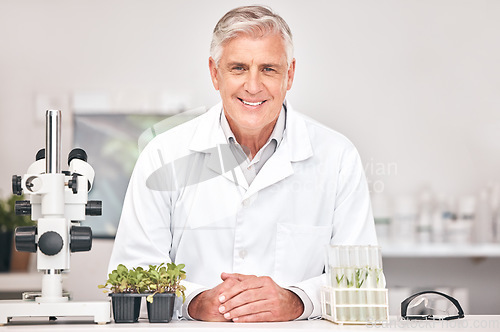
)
(253, 77)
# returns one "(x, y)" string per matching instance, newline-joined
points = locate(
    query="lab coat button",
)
(243, 254)
(246, 202)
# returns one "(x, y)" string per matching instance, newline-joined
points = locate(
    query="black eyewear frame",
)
(405, 303)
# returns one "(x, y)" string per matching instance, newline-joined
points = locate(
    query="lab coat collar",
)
(296, 136)
(296, 146)
(209, 138)
(208, 132)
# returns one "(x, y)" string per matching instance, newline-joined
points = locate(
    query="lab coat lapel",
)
(210, 139)
(223, 162)
(295, 147)
(277, 168)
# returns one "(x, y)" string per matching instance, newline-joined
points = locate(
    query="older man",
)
(264, 191)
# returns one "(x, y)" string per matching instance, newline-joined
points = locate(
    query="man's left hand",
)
(258, 299)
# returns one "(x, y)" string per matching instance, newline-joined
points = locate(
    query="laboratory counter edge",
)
(469, 323)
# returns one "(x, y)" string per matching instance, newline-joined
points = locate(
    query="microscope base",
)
(101, 311)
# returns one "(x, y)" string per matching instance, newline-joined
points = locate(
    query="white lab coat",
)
(311, 192)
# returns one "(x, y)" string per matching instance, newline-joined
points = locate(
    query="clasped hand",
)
(246, 298)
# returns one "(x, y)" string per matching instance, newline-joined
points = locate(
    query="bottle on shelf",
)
(425, 218)
(483, 221)
(383, 217)
(495, 210)
(404, 220)
(443, 215)
(459, 230)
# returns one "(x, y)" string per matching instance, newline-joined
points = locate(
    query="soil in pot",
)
(162, 308)
(126, 307)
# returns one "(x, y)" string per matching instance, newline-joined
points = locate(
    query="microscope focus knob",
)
(25, 238)
(73, 184)
(93, 208)
(17, 188)
(22, 208)
(50, 243)
(80, 238)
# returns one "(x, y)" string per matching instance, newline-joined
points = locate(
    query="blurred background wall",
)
(414, 84)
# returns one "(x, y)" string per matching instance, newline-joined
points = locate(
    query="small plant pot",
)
(162, 308)
(126, 307)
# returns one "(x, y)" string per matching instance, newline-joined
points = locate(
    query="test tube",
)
(334, 277)
(369, 283)
(328, 272)
(359, 278)
(376, 257)
(347, 255)
(345, 276)
(327, 265)
(332, 265)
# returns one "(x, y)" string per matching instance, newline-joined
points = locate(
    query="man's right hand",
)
(205, 306)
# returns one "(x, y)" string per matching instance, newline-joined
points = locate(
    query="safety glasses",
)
(431, 305)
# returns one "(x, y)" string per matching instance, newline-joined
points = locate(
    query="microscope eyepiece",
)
(77, 154)
(40, 154)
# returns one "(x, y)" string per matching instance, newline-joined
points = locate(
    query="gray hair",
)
(256, 21)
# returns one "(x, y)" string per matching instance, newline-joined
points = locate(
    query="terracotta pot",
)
(19, 260)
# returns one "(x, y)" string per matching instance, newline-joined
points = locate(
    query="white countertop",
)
(469, 323)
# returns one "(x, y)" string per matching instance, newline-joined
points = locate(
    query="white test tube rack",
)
(335, 309)
(356, 292)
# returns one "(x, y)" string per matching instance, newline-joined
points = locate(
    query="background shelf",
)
(440, 250)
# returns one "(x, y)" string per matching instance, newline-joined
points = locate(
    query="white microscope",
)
(58, 201)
